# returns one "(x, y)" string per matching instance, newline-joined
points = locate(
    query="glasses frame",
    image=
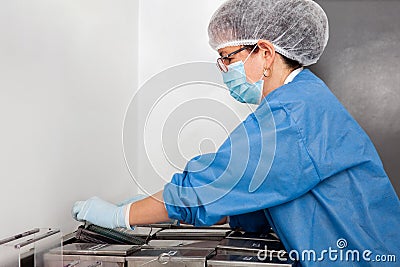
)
(220, 61)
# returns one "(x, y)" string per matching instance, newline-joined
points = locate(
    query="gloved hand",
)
(132, 200)
(101, 213)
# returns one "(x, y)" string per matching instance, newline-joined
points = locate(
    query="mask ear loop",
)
(250, 54)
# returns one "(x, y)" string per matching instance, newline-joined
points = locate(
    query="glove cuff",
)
(120, 217)
(127, 215)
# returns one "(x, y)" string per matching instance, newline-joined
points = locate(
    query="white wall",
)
(172, 33)
(67, 72)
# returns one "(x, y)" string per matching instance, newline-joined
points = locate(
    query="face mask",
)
(239, 87)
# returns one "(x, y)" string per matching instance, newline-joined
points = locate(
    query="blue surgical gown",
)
(326, 182)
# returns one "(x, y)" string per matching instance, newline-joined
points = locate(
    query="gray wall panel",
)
(361, 66)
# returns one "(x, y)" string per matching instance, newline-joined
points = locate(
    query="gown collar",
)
(292, 75)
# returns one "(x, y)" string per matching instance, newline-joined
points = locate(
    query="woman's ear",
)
(268, 50)
(267, 47)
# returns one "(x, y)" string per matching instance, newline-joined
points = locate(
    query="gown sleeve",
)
(263, 163)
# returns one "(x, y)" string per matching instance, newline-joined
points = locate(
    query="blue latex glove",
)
(132, 200)
(101, 213)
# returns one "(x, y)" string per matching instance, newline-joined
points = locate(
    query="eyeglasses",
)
(221, 61)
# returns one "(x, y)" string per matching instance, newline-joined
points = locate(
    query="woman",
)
(325, 181)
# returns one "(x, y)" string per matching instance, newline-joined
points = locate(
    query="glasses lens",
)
(221, 65)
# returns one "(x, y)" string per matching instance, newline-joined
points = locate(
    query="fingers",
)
(77, 208)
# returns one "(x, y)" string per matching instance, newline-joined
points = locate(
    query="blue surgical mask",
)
(239, 87)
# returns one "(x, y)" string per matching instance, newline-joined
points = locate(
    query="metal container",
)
(28, 248)
(189, 226)
(245, 261)
(142, 231)
(51, 260)
(84, 254)
(169, 258)
(163, 225)
(251, 247)
(192, 244)
(99, 249)
(253, 236)
(193, 233)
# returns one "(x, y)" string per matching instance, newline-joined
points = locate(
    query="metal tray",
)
(244, 261)
(253, 236)
(192, 244)
(169, 257)
(51, 260)
(99, 249)
(189, 226)
(193, 233)
(250, 247)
